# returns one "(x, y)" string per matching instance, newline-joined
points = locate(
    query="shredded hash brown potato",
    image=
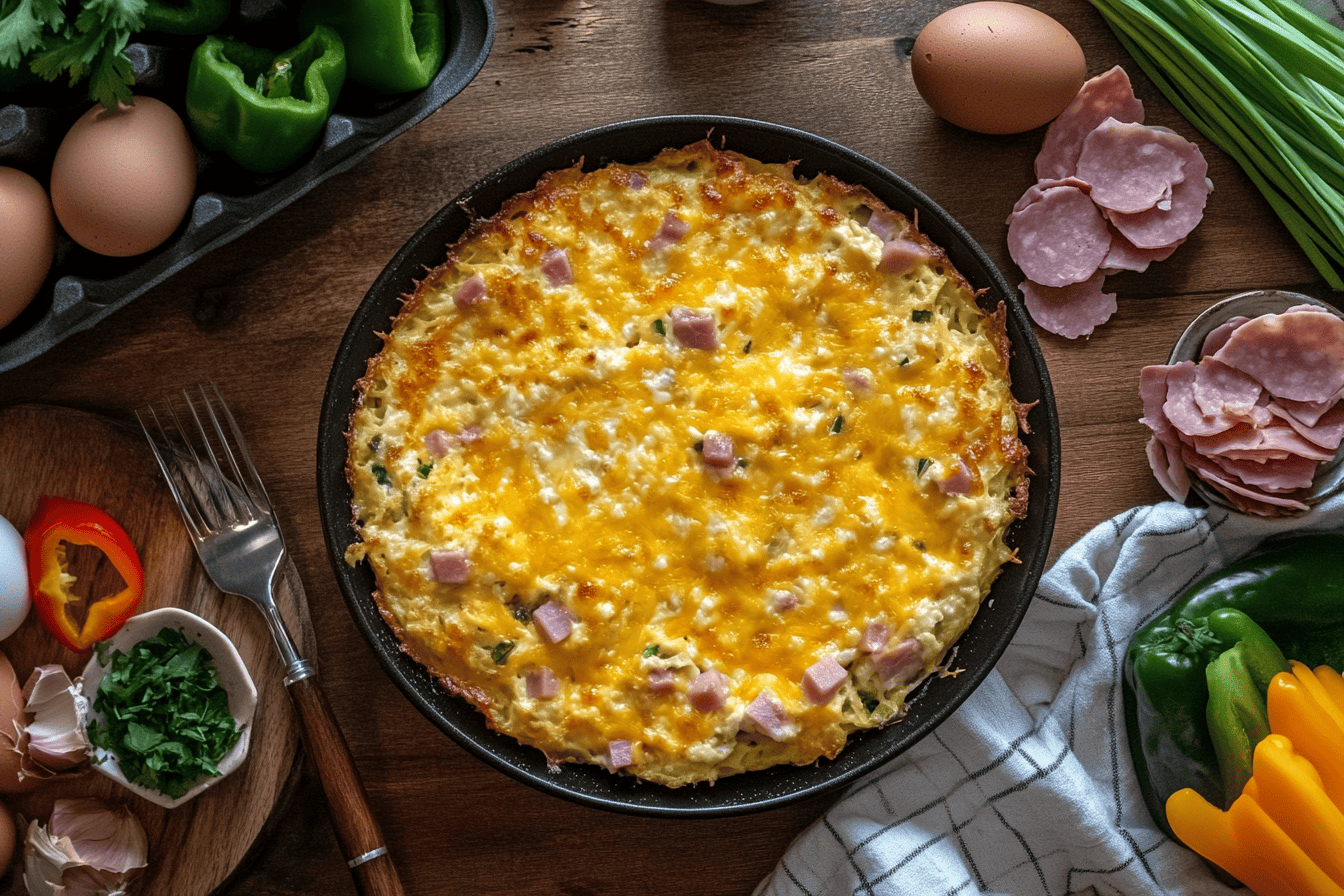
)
(687, 468)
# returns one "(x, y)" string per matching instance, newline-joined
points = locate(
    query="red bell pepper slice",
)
(61, 521)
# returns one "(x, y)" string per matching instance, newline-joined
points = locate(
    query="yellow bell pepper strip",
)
(1246, 843)
(1289, 789)
(1332, 682)
(1295, 714)
(76, 623)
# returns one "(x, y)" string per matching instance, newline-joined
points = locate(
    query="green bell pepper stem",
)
(264, 110)
(185, 16)
(391, 46)
(1293, 588)
(1237, 719)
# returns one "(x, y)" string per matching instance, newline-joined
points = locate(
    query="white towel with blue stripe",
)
(1028, 789)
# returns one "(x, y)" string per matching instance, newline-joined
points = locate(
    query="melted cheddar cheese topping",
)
(686, 408)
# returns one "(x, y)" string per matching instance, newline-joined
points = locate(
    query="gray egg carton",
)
(84, 287)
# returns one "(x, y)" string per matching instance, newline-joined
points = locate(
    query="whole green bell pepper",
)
(264, 109)
(391, 46)
(1292, 588)
(184, 16)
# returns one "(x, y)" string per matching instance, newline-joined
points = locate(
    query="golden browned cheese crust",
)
(665, 469)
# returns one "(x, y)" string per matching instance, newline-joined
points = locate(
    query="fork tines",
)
(201, 451)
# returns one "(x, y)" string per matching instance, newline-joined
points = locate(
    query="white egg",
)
(14, 600)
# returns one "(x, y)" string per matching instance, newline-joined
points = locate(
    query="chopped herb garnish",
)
(651, 650)
(380, 474)
(500, 652)
(838, 424)
(746, 349)
(921, 465)
(424, 470)
(741, 463)
(165, 715)
(522, 614)
(905, 360)
(659, 328)
(870, 701)
(921, 316)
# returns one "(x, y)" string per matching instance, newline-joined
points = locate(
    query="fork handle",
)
(357, 830)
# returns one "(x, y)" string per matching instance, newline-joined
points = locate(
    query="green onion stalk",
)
(1264, 81)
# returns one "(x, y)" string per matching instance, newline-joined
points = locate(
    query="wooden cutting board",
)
(194, 848)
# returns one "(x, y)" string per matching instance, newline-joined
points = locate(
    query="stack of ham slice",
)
(1112, 194)
(1256, 415)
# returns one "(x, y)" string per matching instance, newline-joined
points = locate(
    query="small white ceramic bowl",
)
(1190, 347)
(229, 668)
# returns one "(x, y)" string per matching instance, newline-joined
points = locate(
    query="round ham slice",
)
(1128, 166)
(1125, 256)
(1108, 95)
(1165, 224)
(1059, 239)
(1297, 355)
(1070, 311)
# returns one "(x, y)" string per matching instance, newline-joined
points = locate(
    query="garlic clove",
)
(56, 738)
(89, 849)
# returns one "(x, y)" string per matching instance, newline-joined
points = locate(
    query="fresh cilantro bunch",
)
(165, 715)
(84, 39)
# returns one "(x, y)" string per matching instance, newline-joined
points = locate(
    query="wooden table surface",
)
(263, 316)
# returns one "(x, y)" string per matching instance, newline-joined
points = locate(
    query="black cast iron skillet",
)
(637, 141)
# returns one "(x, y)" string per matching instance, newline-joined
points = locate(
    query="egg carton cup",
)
(84, 287)
(229, 669)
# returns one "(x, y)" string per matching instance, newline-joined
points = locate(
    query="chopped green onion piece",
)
(380, 474)
(870, 701)
(838, 424)
(651, 650)
(424, 470)
(500, 652)
(921, 465)
(659, 328)
(921, 316)
(746, 349)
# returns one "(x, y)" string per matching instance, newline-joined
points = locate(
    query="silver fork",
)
(233, 527)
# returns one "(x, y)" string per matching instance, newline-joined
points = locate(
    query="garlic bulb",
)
(89, 848)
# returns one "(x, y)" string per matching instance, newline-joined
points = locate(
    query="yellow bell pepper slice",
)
(1209, 831)
(1288, 788)
(1297, 716)
(1332, 683)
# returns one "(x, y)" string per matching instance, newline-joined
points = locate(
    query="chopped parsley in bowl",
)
(171, 706)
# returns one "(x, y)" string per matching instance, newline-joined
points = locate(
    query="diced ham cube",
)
(782, 601)
(555, 265)
(451, 567)
(717, 450)
(900, 256)
(694, 329)
(768, 716)
(673, 231)
(620, 753)
(554, 621)
(662, 681)
(875, 637)
(708, 692)
(471, 292)
(899, 664)
(959, 483)
(542, 683)
(823, 679)
(437, 442)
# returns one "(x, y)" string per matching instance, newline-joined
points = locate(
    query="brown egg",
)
(9, 838)
(11, 717)
(27, 241)
(123, 180)
(997, 67)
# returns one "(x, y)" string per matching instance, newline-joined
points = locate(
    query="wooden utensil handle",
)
(356, 828)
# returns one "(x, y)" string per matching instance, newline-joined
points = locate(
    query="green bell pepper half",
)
(1293, 589)
(185, 16)
(391, 46)
(264, 110)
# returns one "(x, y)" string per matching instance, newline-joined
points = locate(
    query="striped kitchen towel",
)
(1028, 788)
